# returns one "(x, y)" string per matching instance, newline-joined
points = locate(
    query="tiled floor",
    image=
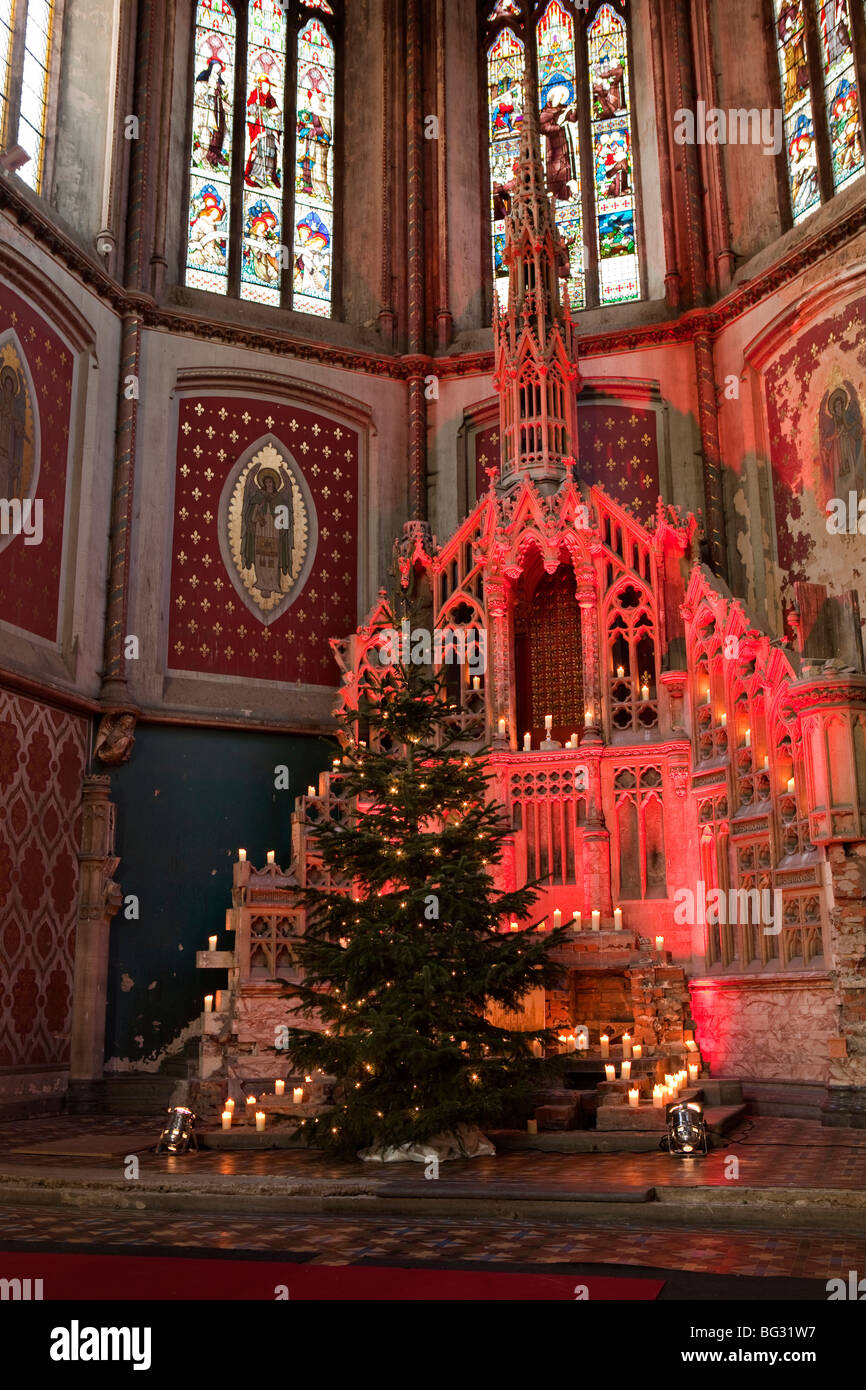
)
(343, 1240)
(772, 1154)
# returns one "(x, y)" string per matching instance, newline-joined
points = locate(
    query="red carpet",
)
(75, 1277)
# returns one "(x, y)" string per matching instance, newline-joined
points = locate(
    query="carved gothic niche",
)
(548, 650)
(268, 529)
(20, 450)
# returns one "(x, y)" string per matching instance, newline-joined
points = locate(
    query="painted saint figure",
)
(792, 38)
(261, 243)
(314, 132)
(211, 122)
(13, 432)
(608, 87)
(264, 123)
(266, 548)
(207, 230)
(561, 164)
(842, 443)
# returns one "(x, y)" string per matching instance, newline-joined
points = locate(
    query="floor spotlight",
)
(687, 1130)
(179, 1134)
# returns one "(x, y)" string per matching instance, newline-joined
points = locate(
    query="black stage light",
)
(687, 1130)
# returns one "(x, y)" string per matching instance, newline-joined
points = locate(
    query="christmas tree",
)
(406, 947)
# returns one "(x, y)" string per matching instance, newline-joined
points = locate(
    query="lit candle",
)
(548, 723)
(250, 1108)
(790, 786)
(270, 856)
(512, 926)
(637, 1051)
(501, 727)
(311, 790)
(633, 1096)
(242, 855)
(573, 741)
(557, 918)
(208, 1003)
(748, 739)
(617, 919)
(694, 1071)
(576, 919)
(620, 671)
(260, 1120)
(658, 1097)
(644, 692)
(626, 1045)
(766, 762)
(691, 1045)
(582, 1039)
(660, 944)
(527, 743)
(596, 920)
(723, 719)
(476, 682)
(571, 1043)
(298, 1094)
(227, 1119)
(587, 718)
(279, 1087)
(610, 1072)
(536, 1047)
(230, 1105)
(625, 1071)
(605, 1045)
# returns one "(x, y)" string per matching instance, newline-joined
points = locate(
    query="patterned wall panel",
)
(618, 451)
(35, 403)
(42, 756)
(254, 593)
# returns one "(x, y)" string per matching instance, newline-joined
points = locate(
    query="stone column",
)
(586, 595)
(98, 901)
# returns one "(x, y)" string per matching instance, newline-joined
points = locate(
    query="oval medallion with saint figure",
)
(268, 529)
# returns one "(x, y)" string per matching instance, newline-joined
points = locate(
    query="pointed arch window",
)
(26, 42)
(261, 207)
(819, 49)
(579, 65)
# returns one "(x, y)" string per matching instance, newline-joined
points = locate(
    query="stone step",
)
(130, 1093)
(722, 1090)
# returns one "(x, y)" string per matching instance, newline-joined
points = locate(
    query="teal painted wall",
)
(185, 802)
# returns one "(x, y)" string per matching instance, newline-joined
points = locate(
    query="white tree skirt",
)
(466, 1141)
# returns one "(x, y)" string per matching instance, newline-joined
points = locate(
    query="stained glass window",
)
(314, 172)
(581, 69)
(557, 93)
(811, 35)
(504, 9)
(5, 58)
(212, 132)
(34, 88)
(797, 107)
(840, 91)
(265, 96)
(24, 89)
(505, 79)
(612, 157)
(279, 118)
